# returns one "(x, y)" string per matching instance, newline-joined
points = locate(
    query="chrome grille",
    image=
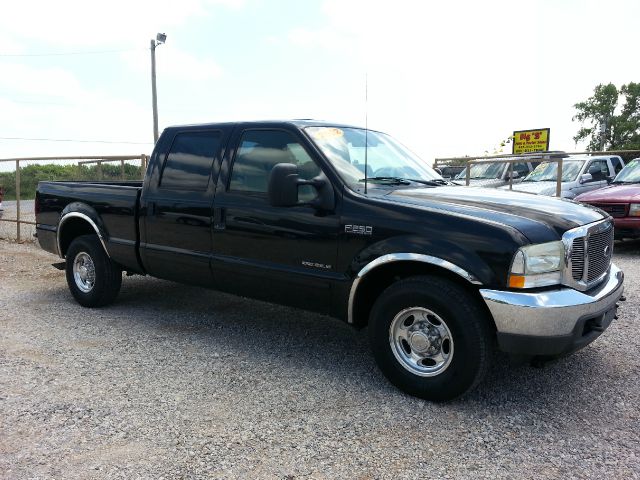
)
(600, 248)
(616, 210)
(577, 259)
(589, 249)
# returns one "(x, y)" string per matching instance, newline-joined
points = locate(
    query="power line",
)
(73, 141)
(60, 54)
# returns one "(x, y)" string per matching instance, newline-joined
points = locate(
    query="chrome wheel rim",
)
(84, 272)
(421, 341)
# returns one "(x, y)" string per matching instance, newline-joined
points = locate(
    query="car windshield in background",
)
(548, 171)
(483, 171)
(630, 173)
(387, 160)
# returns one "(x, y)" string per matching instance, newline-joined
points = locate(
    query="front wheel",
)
(430, 337)
(93, 278)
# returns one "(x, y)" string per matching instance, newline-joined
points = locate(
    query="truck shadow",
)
(300, 343)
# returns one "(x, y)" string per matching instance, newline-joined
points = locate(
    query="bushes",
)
(32, 174)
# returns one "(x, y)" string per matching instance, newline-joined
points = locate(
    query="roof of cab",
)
(300, 123)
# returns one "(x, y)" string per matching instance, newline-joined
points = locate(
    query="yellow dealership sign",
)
(526, 141)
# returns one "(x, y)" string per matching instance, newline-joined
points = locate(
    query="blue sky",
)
(446, 78)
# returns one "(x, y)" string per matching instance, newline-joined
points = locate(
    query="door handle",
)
(219, 215)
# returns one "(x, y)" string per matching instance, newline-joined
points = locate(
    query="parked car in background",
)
(492, 175)
(579, 175)
(450, 171)
(621, 200)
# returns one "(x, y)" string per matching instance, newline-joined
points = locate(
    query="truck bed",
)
(115, 203)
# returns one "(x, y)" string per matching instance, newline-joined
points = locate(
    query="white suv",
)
(579, 175)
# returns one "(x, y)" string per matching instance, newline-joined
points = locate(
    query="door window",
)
(188, 164)
(617, 165)
(522, 169)
(598, 170)
(260, 151)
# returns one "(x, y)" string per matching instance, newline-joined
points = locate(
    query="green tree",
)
(622, 130)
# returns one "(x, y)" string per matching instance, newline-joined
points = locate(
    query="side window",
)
(598, 170)
(260, 151)
(188, 164)
(617, 165)
(521, 168)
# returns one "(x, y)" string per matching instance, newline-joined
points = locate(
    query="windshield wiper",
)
(392, 180)
(434, 182)
(622, 182)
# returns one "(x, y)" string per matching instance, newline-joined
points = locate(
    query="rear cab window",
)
(189, 161)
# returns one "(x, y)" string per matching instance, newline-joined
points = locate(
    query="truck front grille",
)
(591, 255)
(577, 259)
(616, 210)
(599, 250)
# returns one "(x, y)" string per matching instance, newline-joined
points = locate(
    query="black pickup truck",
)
(347, 222)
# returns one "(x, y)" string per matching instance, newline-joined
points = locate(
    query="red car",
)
(621, 200)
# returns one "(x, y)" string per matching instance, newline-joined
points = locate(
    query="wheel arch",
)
(379, 274)
(74, 223)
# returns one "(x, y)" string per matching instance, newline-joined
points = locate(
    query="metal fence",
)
(20, 219)
(558, 157)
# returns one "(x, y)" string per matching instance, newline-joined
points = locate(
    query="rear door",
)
(176, 242)
(282, 254)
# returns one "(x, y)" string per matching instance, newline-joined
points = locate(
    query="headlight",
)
(634, 210)
(537, 265)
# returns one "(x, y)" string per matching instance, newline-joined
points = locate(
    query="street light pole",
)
(160, 39)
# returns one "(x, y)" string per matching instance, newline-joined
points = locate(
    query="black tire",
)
(103, 286)
(468, 337)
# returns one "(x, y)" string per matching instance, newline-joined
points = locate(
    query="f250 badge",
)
(358, 229)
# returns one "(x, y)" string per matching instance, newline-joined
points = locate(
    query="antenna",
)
(366, 127)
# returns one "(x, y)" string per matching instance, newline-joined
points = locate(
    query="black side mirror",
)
(283, 186)
(610, 179)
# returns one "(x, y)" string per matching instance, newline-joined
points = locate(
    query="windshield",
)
(483, 171)
(345, 149)
(630, 173)
(548, 171)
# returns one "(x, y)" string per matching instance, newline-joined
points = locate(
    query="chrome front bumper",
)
(565, 319)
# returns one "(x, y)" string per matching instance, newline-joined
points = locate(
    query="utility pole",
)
(160, 39)
(603, 133)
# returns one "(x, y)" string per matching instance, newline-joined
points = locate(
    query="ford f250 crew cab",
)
(282, 212)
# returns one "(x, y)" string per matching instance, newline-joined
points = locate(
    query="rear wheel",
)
(93, 278)
(430, 337)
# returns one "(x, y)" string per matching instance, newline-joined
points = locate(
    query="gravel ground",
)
(180, 382)
(8, 229)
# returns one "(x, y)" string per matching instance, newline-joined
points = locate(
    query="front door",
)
(282, 254)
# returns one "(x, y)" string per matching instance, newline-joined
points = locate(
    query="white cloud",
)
(74, 23)
(172, 62)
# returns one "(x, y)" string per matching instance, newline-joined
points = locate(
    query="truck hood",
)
(534, 216)
(613, 193)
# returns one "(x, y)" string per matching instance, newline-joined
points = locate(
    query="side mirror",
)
(610, 179)
(282, 189)
(586, 177)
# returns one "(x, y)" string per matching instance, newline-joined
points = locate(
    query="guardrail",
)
(99, 160)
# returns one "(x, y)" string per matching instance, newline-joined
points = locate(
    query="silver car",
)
(579, 175)
(492, 175)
